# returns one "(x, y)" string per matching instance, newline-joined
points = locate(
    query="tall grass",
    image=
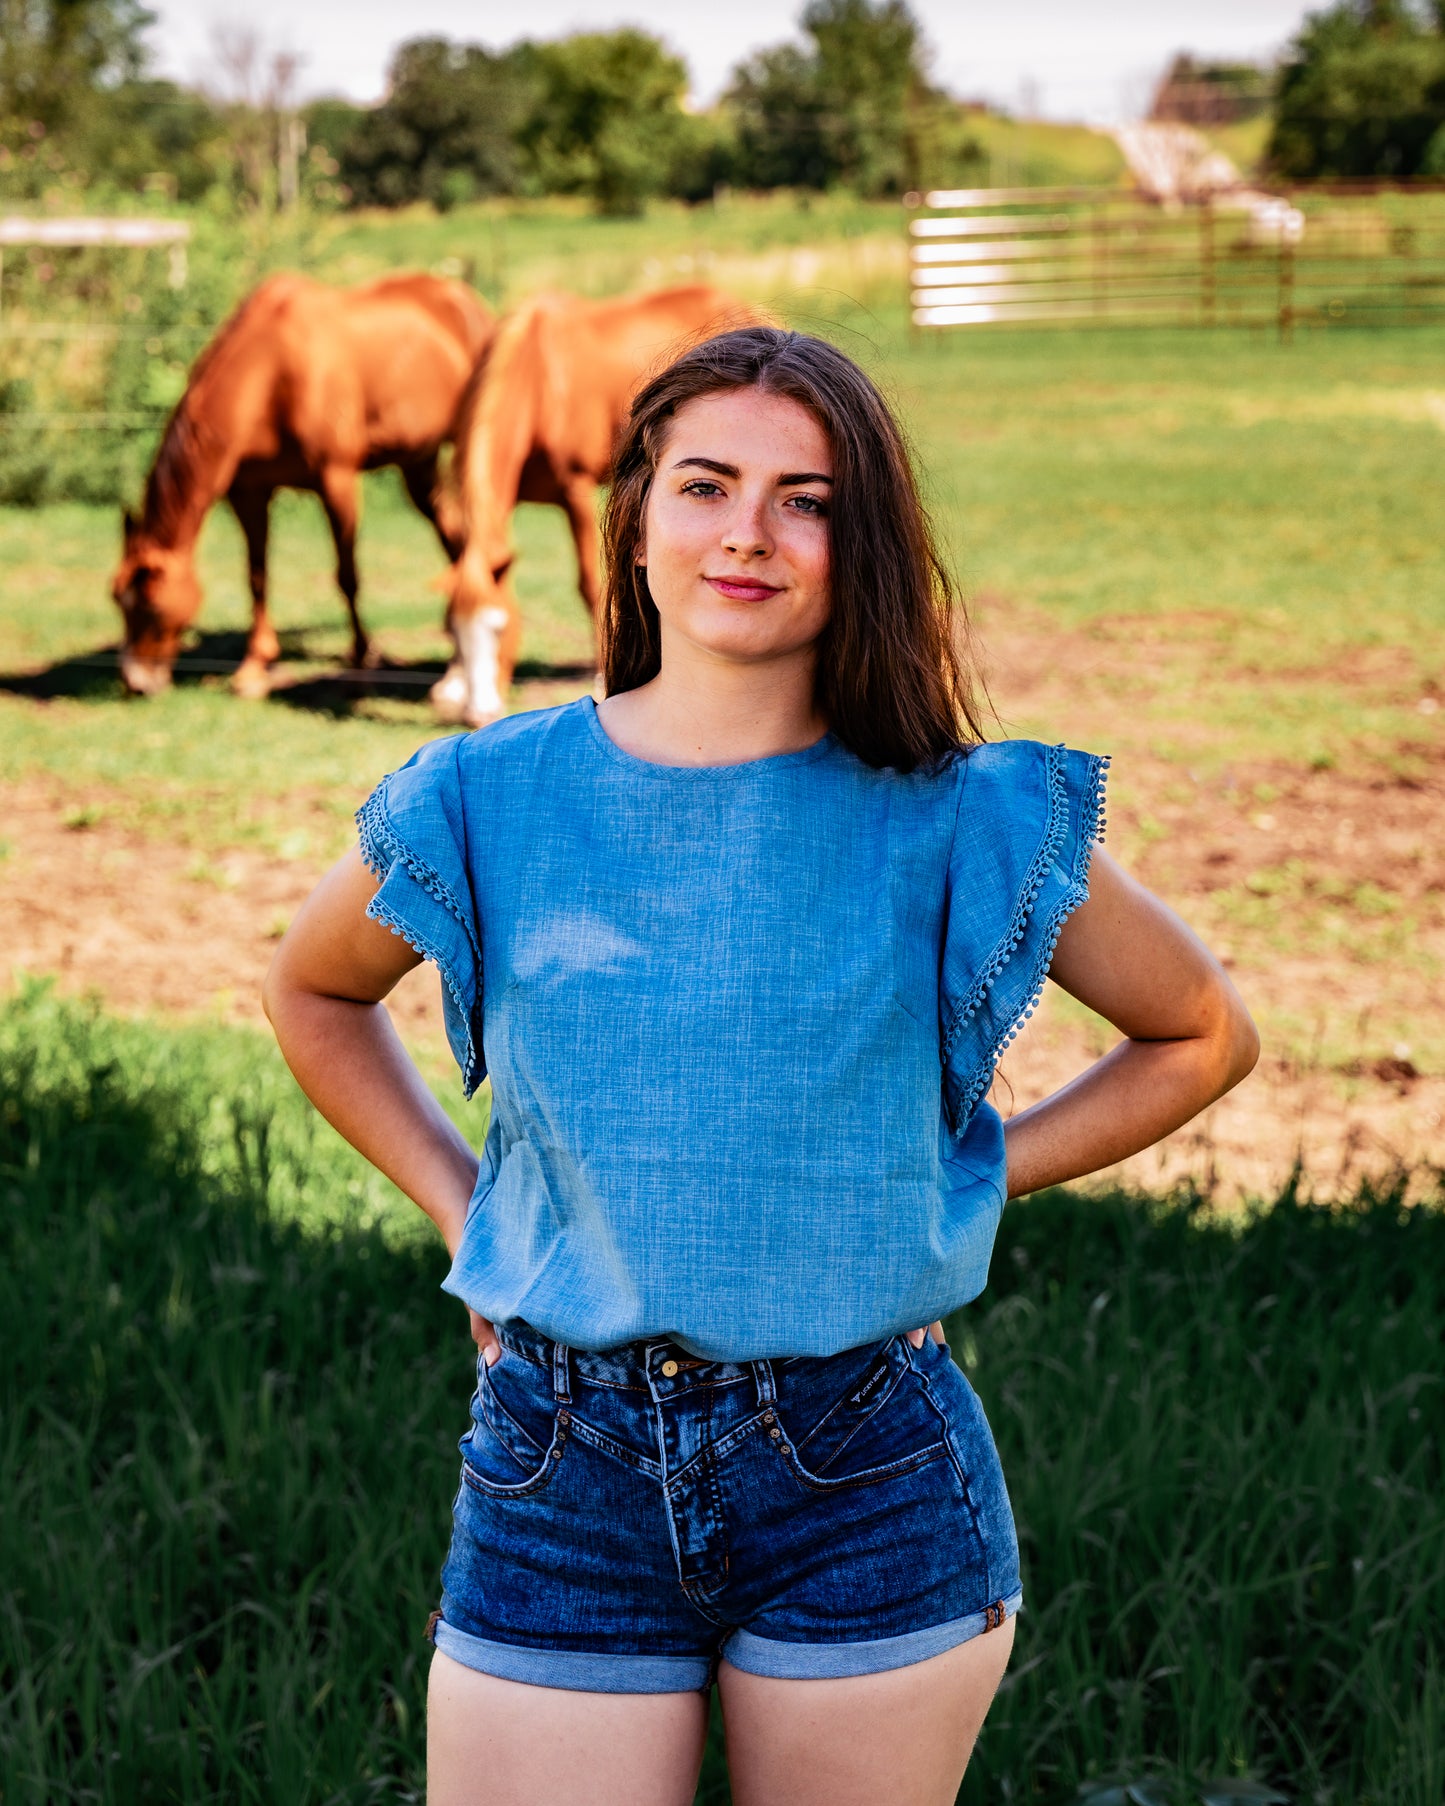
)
(230, 1391)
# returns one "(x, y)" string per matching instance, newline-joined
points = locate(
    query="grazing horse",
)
(302, 388)
(539, 423)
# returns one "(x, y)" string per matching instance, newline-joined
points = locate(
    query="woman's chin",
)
(743, 633)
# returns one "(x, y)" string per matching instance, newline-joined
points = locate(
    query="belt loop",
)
(763, 1380)
(559, 1373)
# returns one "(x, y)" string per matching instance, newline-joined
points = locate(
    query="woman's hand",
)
(1189, 1038)
(935, 1329)
(485, 1338)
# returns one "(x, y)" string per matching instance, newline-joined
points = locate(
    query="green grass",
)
(1033, 153)
(1244, 540)
(1281, 504)
(231, 1392)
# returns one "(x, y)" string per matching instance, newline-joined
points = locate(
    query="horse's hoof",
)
(251, 680)
(481, 718)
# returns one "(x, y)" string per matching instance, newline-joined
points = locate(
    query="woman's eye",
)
(809, 504)
(701, 486)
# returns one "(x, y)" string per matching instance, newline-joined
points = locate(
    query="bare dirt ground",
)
(1321, 841)
(151, 931)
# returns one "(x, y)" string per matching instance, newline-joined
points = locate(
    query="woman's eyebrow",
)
(786, 481)
(721, 470)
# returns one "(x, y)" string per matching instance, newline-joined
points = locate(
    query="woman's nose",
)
(747, 535)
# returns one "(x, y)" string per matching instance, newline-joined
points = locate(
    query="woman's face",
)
(735, 536)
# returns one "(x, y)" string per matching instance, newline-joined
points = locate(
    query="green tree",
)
(446, 131)
(785, 131)
(607, 118)
(55, 54)
(851, 106)
(1363, 93)
(76, 103)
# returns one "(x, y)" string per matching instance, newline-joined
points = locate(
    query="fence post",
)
(1206, 261)
(912, 200)
(1286, 286)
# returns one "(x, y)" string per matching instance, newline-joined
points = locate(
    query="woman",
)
(740, 946)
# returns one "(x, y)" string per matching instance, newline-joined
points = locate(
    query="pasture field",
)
(231, 1391)
(1216, 556)
(229, 1408)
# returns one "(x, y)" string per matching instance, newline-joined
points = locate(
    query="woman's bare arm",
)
(1189, 1037)
(323, 996)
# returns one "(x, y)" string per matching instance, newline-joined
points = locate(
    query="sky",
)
(1063, 59)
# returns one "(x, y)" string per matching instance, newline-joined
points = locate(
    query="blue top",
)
(739, 1020)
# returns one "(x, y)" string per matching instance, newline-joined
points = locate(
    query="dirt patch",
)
(151, 929)
(1323, 890)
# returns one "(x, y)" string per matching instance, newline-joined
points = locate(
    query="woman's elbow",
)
(274, 987)
(1237, 1039)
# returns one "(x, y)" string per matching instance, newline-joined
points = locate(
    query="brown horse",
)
(538, 424)
(302, 388)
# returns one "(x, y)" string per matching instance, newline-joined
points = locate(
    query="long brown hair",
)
(890, 679)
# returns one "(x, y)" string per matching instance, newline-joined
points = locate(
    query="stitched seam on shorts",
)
(723, 1446)
(870, 1476)
(866, 1418)
(957, 1463)
(490, 1399)
(500, 1489)
(606, 1445)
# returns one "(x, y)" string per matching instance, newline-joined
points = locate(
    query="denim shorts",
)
(628, 1519)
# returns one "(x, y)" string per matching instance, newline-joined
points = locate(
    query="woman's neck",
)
(703, 710)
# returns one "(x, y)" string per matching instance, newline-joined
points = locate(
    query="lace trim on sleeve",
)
(1091, 832)
(382, 848)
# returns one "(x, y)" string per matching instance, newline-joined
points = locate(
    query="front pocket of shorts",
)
(883, 1423)
(512, 1446)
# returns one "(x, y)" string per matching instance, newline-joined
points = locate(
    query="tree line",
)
(604, 115)
(1360, 92)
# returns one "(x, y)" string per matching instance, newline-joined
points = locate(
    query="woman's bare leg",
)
(903, 1737)
(500, 1743)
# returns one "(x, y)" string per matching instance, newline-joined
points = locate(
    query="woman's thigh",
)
(492, 1742)
(904, 1736)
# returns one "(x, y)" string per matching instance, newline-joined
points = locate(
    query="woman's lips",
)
(738, 589)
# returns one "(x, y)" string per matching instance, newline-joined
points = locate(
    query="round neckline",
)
(804, 755)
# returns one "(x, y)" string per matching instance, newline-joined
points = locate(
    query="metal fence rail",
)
(1076, 256)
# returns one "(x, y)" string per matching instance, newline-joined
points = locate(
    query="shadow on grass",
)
(215, 654)
(230, 1413)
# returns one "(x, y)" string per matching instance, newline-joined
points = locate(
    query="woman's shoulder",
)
(524, 738)
(1026, 780)
(998, 782)
(455, 768)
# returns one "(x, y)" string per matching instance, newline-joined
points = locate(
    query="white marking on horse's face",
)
(143, 676)
(450, 689)
(478, 646)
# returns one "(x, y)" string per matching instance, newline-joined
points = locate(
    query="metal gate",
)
(1041, 256)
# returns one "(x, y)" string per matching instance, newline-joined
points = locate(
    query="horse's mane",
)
(184, 443)
(498, 358)
(488, 392)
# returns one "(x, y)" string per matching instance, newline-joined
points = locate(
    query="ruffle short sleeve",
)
(413, 837)
(1028, 819)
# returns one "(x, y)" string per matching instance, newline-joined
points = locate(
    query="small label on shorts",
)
(871, 1384)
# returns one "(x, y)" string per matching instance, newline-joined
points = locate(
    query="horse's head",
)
(157, 591)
